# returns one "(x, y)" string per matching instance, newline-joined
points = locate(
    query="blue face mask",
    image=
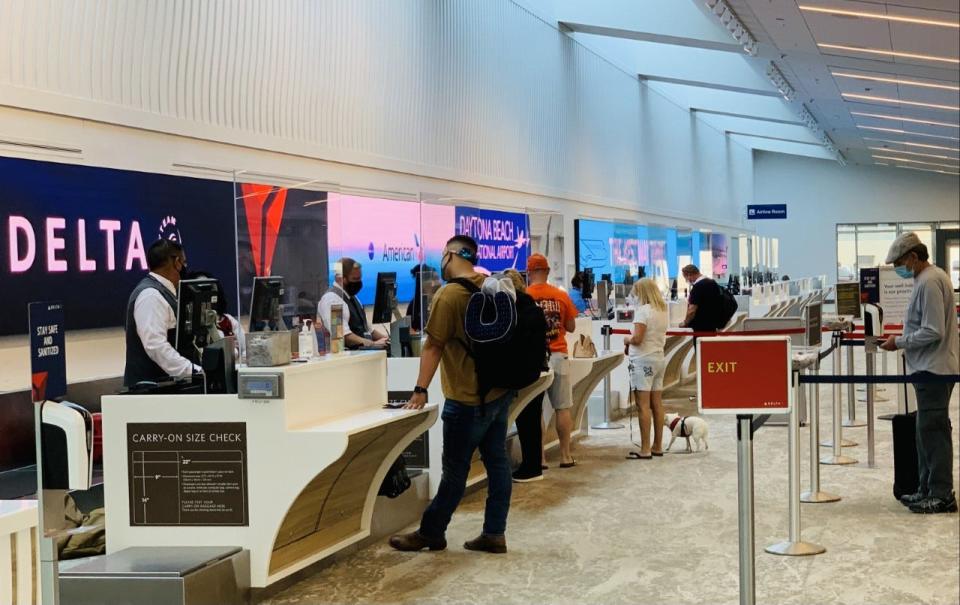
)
(904, 271)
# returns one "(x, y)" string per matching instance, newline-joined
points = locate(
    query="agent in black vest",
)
(151, 321)
(348, 282)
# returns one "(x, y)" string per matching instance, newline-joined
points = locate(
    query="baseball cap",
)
(904, 243)
(537, 262)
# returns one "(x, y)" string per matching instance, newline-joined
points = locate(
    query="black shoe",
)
(932, 505)
(415, 541)
(522, 477)
(908, 499)
(485, 543)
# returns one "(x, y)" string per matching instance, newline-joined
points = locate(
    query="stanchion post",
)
(851, 420)
(606, 331)
(748, 582)
(814, 495)
(794, 546)
(837, 456)
(869, 351)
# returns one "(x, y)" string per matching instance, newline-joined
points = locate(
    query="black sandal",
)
(637, 456)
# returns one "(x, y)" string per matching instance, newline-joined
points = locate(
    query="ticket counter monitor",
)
(287, 468)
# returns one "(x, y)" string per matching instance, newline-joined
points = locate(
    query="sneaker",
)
(415, 541)
(520, 477)
(933, 505)
(908, 499)
(485, 543)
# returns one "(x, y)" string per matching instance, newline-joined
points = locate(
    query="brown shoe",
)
(485, 543)
(415, 541)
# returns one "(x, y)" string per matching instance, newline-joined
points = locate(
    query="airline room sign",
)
(766, 211)
(744, 375)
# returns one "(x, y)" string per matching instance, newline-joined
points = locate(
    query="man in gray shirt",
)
(930, 345)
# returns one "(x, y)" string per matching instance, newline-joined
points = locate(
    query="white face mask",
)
(631, 300)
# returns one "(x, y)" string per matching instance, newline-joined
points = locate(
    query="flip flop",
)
(637, 456)
(657, 454)
(568, 464)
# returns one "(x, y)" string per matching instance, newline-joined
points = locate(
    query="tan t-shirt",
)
(458, 374)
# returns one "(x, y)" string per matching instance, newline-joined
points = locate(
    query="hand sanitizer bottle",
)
(306, 341)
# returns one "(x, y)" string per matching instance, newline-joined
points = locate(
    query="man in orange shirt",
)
(561, 314)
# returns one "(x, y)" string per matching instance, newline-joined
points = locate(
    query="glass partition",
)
(546, 238)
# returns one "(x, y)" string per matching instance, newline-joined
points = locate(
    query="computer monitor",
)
(265, 307)
(196, 317)
(385, 297)
(607, 278)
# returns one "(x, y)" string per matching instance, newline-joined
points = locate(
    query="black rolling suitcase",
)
(906, 477)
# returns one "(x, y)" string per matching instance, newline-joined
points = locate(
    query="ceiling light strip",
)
(929, 170)
(867, 15)
(859, 97)
(732, 23)
(898, 81)
(896, 159)
(780, 82)
(882, 116)
(911, 133)
(890, 53)
(914, 153)
(912, 144)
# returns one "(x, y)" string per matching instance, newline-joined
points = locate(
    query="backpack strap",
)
(465, 283)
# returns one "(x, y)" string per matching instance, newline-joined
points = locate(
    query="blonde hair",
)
(518, 283)
(647, 292)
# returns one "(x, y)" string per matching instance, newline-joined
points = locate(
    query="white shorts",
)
(560, 391)
(646, 373)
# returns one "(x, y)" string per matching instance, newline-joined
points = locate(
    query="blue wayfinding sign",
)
(503, 237)
(766, 211)
(48, 359)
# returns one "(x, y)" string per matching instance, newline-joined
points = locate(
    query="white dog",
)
(687, 427)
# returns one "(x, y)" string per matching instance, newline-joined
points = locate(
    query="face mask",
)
(183, 271)
(353, 287)
(443, 266)
(904, 271)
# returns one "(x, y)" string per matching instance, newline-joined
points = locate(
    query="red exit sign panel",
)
(744, 375)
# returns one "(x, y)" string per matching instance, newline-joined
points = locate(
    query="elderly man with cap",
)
(930, 345)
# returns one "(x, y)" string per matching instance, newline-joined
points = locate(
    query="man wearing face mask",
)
(348, 281)
(151, 323)
(470, 420)
(929, 342)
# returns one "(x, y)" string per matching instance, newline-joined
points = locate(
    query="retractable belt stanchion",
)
(794, 546)
(870, 350)
(837, 456)
(838, 393)
(814, 495)
(851, 420)
(748, 580)
(606, 330)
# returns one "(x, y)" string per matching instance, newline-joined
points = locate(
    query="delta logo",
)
(104, 244)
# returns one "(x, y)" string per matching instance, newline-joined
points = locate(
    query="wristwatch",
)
(420, 390)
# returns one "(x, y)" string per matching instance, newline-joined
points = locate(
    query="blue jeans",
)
(465, 428)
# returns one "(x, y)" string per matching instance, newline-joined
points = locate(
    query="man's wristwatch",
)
(420, 390)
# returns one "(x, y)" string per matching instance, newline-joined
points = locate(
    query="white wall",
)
(820, 193)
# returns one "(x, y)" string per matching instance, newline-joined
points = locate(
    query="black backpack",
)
(514, 354)
(728, 307)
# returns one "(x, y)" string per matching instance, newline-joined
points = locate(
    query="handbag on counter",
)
(584, 347)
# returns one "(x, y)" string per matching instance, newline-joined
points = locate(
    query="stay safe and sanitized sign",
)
(744, 375)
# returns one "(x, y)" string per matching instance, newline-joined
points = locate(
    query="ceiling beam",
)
(772, 138)
(745, 116)
(642, 36)
(712, 85)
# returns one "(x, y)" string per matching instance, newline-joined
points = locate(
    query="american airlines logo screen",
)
(80, 234)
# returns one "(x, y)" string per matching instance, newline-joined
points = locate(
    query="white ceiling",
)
(899, 102)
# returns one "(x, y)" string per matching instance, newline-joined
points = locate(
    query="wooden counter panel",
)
(330, 509)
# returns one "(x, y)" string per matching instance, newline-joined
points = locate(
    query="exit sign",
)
(744, 374)
(766, 211)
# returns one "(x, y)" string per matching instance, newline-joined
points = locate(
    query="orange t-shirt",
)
(558, 309)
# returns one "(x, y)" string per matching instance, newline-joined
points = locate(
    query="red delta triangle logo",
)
(263, 206)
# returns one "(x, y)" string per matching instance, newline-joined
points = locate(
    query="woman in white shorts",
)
(645, 350)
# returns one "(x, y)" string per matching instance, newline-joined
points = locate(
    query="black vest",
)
(358, 316)
(139, 366)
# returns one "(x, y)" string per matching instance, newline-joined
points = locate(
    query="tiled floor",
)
(665, 532)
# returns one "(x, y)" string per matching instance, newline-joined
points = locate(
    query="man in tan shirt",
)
(467, 424)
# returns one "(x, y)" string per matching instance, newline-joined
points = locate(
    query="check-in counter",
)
(585, 375)
(292, 476)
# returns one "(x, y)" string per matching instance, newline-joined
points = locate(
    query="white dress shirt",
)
(323, 310)
(154, 317)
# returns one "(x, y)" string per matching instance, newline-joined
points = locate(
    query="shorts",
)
(560, 392)
(646, 372)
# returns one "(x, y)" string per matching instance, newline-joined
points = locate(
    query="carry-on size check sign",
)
(744, 375)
